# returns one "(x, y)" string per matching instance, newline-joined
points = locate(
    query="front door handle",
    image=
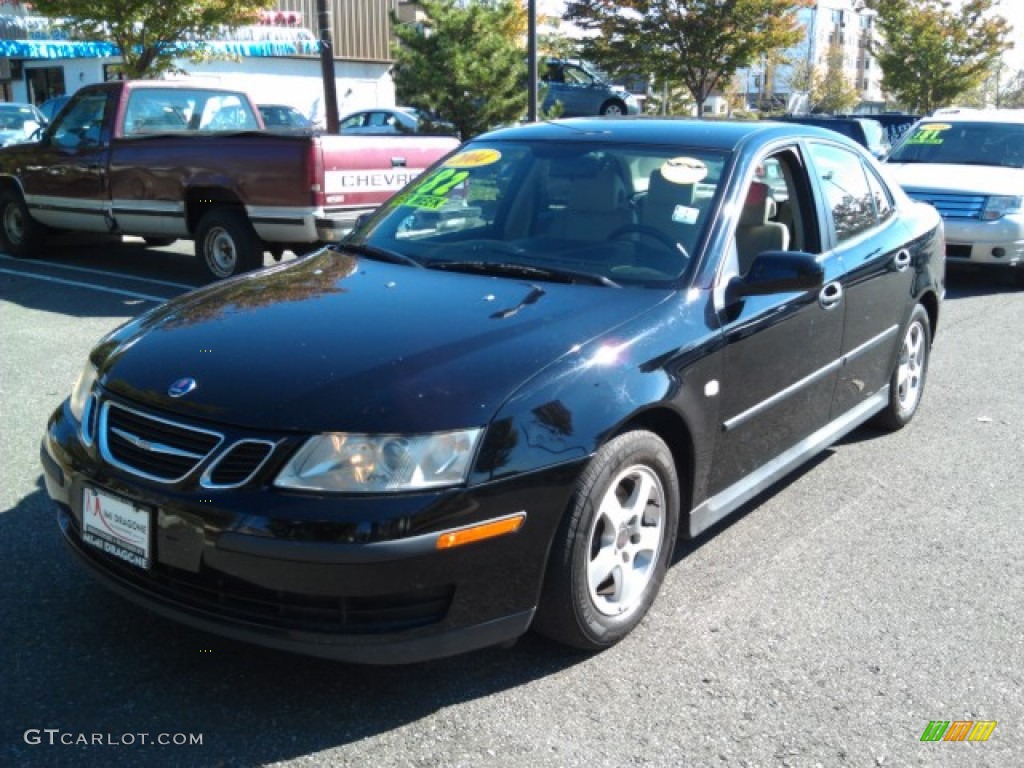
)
(830, 295)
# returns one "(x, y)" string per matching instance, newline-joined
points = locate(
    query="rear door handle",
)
(830, 295)
(902, 260)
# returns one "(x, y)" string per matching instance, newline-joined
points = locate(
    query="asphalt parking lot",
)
(825, 625)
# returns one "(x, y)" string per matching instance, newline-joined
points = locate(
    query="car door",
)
(781, 350)
(69, 186)
(864, 232)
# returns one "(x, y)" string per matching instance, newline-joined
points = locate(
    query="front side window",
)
(81, 126)
(844, 184)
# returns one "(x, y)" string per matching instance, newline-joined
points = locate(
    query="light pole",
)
(327, 66)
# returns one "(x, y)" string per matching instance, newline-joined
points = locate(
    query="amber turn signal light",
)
(472, 533)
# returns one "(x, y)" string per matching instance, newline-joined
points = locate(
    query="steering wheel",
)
(679, 254)
(654, 233)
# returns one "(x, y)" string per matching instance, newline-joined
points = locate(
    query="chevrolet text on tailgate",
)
(168, 161)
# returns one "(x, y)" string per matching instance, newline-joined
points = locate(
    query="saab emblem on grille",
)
(182, 387)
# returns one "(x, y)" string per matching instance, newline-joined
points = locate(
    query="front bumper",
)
(353, 579)
(989, 243)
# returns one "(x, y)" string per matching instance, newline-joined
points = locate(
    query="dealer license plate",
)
(116, 526)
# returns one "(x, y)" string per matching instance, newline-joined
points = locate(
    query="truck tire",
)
(21, 236)
(226, 244)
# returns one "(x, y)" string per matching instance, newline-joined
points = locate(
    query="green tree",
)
(831, 89)
(700, 43)
(152, 35)
(932, 53)
(467, 63)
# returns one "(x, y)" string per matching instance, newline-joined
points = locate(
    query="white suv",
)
(969, 164)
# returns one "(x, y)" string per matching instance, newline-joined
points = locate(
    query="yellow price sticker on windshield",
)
(929, 134)
(473, 158)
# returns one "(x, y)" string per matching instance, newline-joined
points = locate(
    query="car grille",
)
(169, 451)
(236, 465)
(150, 446)
(957, 251)
(952, 206)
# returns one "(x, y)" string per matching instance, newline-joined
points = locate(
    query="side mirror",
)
(778, 272)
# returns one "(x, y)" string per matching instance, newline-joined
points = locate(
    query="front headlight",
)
(340, 462)
(83, 388)
(1001, 205)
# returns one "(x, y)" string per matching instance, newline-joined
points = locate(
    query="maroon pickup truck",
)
(176, 160)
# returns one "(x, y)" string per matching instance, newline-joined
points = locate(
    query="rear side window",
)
(848, 194)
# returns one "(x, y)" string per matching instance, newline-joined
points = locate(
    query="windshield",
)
(973, 143)
(601, 213)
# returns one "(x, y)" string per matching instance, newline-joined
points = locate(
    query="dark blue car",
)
(499, 402)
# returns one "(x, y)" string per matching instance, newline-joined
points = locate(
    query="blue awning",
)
(56, 49)
(67, 49)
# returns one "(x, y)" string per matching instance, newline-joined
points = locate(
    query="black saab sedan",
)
(496, 405)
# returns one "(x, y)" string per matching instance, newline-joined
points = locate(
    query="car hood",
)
(335, 343)
(970, 179)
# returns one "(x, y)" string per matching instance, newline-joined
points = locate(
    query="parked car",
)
(392, 120)
(493, 406)
(19, 123)
(865, 131)
(51, 107)
(895, 124)
(970, 165)
(582, 92)
(283, 116)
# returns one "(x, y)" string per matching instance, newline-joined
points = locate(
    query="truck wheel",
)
(226, 244)
(20, 235)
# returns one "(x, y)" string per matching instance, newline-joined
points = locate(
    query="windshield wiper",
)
(381, 254)
(522, 270)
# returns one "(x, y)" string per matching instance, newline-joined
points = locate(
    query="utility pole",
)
(531, 55)
(327, 66)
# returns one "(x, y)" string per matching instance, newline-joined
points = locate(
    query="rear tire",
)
(21, 236)
(613, 546)
(907, 384)
(226, 244)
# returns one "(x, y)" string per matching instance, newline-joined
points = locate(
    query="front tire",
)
(226, 244)
(20, 235)
(908, 378)
(614, 545)
(613, 107)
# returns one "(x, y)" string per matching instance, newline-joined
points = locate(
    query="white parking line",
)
(76, 283)
(105, 273)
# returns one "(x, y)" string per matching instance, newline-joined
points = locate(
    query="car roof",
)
(965, 115)
(725, 135)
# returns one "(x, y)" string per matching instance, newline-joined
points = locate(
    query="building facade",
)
(276, 61)
(829, 26)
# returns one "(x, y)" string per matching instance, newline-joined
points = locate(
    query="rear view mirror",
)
(778, 272)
